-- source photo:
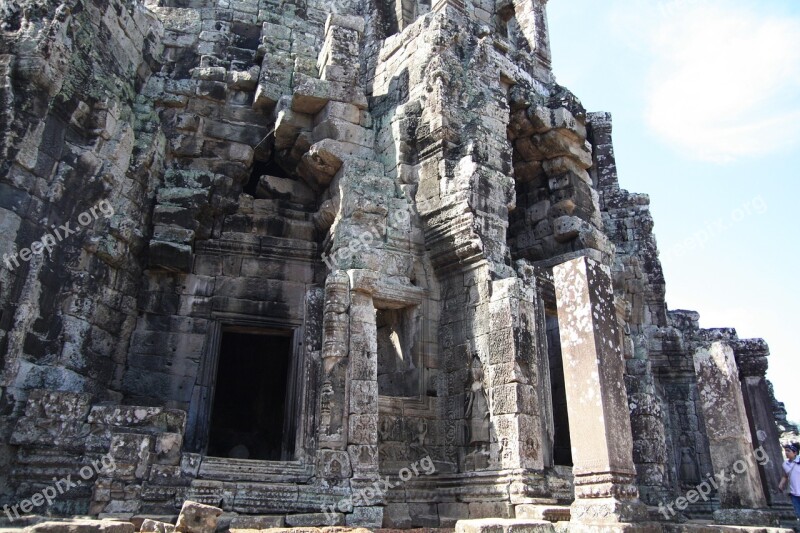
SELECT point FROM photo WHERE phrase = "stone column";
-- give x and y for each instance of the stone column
(751, 359)
(363, 400)
(363, 376)
(731, 448)
(513, 378)
(335, 348)
(599, 422)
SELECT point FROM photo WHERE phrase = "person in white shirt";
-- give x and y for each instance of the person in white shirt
(791, 474)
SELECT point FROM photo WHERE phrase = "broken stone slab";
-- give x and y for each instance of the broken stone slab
(154, 526)
(197, 518)
(83, 526)
(504, 525)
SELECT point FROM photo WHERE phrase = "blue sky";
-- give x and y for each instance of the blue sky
(705, 96)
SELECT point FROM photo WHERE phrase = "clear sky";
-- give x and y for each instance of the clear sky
(705, 96)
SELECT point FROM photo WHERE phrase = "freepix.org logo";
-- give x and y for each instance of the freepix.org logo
(367, 495)
(49, 494)
(49, 240)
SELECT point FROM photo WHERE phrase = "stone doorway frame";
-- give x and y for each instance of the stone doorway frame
(297, 407)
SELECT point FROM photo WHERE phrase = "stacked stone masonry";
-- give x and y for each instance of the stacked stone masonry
(419, 234)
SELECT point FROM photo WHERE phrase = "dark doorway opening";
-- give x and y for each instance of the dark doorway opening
(248, 418)
(562, 447)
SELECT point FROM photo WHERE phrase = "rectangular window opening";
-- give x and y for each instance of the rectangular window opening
(398, 352)
(248, 417)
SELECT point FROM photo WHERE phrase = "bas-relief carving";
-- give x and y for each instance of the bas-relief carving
(335, 347)
(476, 414)
(332, 402)
(476, 408)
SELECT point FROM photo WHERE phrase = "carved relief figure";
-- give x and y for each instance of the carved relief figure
(689, 473)
(325, 408)
(335, 344)
(476, 409)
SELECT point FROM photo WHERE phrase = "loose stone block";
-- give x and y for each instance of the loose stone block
(197, 518)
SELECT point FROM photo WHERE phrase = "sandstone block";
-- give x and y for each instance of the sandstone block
(197, 518)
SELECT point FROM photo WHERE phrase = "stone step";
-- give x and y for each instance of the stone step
(504, 525)
(224, 469)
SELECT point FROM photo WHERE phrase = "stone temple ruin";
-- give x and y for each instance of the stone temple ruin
(260, 254)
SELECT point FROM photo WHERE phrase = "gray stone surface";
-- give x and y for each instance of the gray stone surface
(394, 186)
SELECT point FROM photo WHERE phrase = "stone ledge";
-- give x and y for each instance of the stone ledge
(504, 525)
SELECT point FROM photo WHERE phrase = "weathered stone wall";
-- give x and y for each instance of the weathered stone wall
(394, 184)
(76, 136)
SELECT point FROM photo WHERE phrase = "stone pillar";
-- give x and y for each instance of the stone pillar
(363, 400)
(513, 378)
(335, 348)
(726, 419)
(363, 376)
(599, 422)
(751, 359)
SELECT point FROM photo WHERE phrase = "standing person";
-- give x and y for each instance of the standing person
(791, 473)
